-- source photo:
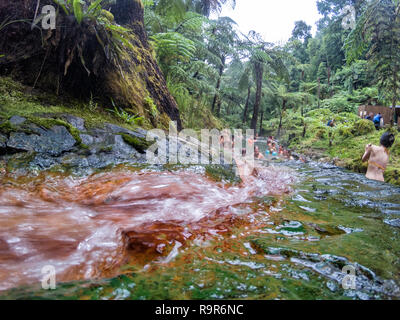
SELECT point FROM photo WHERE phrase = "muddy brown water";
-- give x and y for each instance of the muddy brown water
(88, 227)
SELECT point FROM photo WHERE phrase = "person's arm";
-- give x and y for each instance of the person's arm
(367, 154)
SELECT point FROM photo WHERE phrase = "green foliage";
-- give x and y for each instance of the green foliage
(377, 35)
(92, 105)
(173, 47)
(151, 106)
(126, 116)
(139, 144)
(94, 19)
(338, 103)
(363, 127)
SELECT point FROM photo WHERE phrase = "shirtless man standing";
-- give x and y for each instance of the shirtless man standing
(378, 157)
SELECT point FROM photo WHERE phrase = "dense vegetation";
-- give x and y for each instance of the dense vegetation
(242, 80)
(220, 77)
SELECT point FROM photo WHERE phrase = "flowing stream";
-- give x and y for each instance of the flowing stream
(137, 234)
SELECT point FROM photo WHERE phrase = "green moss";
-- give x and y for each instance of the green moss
(219, 173)
(49, 123)
(392, 175)
(151, 107)
(16, 99)
(20, 161)
(106, 149)
(6, 128)
(139, 144)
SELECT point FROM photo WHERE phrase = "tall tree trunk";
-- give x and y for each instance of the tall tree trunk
(329, 72)
(246, 108)
(259, 70)
(218, 86)
(304, 122)
(281, 117)
(219, 107)
(261, 122)
(395, 89)
(41, 57)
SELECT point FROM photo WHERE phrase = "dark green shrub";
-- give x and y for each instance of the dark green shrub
(363, 127)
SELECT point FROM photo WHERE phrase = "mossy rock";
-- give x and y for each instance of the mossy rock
(6, 127)
(49, 123)
(20, 161)
(357, 165)
(392, 175)
(363, 127)
(139, 144)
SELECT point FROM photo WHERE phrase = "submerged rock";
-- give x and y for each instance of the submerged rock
(393, 222)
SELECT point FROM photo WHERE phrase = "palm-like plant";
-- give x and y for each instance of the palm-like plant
(205, 7)
(263, 56)
(221, 38)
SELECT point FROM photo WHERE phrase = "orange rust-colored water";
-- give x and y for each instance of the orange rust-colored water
(89, 227)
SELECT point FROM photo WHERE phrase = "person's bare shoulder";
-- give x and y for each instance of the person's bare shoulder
(375, 149)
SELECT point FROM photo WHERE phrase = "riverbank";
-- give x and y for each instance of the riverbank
(41, 132)
(343, 145)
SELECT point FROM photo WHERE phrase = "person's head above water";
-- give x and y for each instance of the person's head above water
(387, 140)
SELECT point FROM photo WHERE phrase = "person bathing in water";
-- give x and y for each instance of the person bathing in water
(247, 170)
(378, 157)
(257, 154)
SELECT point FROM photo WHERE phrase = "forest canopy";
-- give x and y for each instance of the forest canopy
(182, 58)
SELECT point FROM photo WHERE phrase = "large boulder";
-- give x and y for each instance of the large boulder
(53, 141)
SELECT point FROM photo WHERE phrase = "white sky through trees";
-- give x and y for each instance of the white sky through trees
(273, 19)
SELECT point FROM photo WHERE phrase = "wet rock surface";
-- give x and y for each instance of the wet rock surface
(3, 141)
(54, 141)
(29, 146)
(17, 120)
